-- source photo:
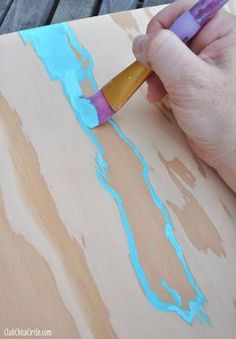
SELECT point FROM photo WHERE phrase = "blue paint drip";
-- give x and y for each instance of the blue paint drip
(51, 43)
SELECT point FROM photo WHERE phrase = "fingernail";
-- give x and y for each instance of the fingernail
(140, 43)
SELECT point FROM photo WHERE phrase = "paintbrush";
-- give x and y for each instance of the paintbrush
(115, 93)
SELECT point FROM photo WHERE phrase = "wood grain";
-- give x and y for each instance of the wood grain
(38, 289)
(63, 251)
(35, 193)
(201, 232)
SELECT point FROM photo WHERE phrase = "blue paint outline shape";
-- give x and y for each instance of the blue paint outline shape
(51, 44)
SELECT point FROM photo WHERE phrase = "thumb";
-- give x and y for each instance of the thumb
(168, 57)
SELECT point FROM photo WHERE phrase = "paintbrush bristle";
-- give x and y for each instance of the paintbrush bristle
(104, 110)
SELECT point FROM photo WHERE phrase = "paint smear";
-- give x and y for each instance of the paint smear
(52, 46)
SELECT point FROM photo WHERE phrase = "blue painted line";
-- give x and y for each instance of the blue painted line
(51, 43)
(175, 295)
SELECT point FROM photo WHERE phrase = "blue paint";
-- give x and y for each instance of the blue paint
(51, 43)
(89, 115)
(175, 295)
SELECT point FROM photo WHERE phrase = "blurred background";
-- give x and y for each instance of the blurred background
(16, 15)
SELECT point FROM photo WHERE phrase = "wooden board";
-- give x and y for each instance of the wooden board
(85, 256)
(109, 6)
(22, 14)
(26, 14)
(147, 3)
(4, 7)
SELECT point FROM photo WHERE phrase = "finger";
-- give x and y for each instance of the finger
(168, 57)
(220, 25)
(140, 44)
(156, 90)
(221, 52)
(167, 16)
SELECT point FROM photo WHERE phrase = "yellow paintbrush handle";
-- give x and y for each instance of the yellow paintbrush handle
(121, 88)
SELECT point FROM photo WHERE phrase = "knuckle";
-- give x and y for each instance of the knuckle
(154, 25)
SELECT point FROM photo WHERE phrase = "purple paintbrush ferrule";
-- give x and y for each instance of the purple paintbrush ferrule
(189, 23)
(185, 26)
(104, 110)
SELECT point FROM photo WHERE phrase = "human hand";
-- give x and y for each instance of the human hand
(198, 82)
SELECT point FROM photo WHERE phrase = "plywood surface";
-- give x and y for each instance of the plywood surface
(87, 248)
